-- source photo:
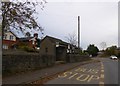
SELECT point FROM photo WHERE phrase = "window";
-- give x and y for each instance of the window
(11, 37)
(68, 46)
(68, 51)
(5, 47)
(5, 36)
(57, 44)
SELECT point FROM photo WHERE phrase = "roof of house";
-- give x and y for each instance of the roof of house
(118, 48)
(12, 33)
(54, 40)
(25, 38)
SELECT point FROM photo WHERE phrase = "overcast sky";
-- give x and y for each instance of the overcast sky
(99, 21)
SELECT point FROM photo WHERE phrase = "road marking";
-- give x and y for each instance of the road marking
(102, 64)
(102, 68)
(81, 69)
(84, 79)
(93, 71)
(76, 74)
(102, 76)
(87, 70)
(93, 77)
(102, 71)
(101, 83)
(72, 75)
(64, 74)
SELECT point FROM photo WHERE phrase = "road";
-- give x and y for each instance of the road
(111, 71)
(103, 72)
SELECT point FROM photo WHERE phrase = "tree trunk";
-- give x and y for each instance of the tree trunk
(3, 26)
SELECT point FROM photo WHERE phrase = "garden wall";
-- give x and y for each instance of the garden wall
(77, 58)
(13, 63)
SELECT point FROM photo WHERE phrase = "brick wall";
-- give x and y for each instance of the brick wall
(8, 43)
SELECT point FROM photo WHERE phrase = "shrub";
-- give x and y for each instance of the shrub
(26, 48)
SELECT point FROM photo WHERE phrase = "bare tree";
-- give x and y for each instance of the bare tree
(103, 45)
(72, 39)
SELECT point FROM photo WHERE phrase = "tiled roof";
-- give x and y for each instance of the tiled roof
(12, 33)
(25, 38)
(54, 40)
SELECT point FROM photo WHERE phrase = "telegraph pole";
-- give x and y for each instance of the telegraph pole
(78, 31)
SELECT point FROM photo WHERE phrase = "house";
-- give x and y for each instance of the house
(55, 47)
(24, 41)
(9, 40)
(32, 42)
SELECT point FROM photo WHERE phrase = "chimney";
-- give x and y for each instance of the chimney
(36, 35)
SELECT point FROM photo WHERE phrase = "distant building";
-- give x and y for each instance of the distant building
(32, 42)
(24, 41)
(11, 41)
(56, 47)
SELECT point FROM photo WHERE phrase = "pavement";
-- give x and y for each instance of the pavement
(37, 75)
(103, 72)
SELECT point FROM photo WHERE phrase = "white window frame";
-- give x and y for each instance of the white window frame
(5, 36)
(11, 37)
(57, 44)
(5, 46)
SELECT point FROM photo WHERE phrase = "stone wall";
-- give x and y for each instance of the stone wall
(47, 47)
(19, 61)
(15, 63)
(77, 58)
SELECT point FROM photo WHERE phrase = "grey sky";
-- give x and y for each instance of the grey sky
(99, 21)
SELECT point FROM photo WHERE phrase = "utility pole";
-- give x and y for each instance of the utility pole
(78, 31)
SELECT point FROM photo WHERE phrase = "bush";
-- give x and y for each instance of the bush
(92, 50)
(83, 53)
(111, 51)
(26, 48)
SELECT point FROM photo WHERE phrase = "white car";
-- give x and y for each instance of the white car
(113, 57)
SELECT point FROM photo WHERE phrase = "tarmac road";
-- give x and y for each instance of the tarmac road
(104, 72)
(110, 71)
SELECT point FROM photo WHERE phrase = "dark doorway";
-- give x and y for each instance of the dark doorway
(60, 53)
